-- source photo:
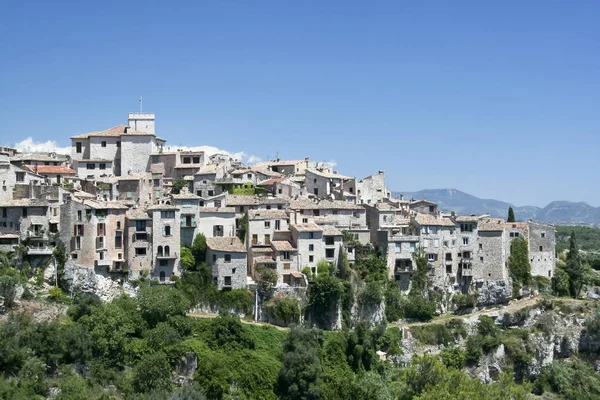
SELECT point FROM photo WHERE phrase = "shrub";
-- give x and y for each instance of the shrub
(434, 334)
(56, 294)
(474, 351)
(453, 358)
(371, 295)
(457, 327)
(417, 307)
(285, 309)
(463, 302)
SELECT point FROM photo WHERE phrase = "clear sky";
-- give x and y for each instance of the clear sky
(498, 99)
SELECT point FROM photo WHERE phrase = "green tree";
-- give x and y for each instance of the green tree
(73, 387)
(560, 281)
(187, 258)
(267, 278)
(518, 261)
(59, 255)
(575, 268)
(199, 248)
(420, 279)
(152, 373)
(511, 215)
(324, 294)
(178, 184)
(300, 375)
(158, 303)
(8, 290)
(243, 228)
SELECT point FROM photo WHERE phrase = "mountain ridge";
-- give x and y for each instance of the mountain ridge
(558, 211)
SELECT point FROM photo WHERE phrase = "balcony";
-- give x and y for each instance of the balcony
(141, 236)
(104, 263)
(101, 244)
(40, 251)
(35, 234)
(166, 256)
(466, 272)
(188, 225)
(403, 270)
(403, 238)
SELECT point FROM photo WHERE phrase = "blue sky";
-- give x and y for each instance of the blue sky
(499, 100)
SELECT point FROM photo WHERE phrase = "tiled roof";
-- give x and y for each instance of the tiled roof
(24, 203)
(246, 200)
(185, 195)
(271, 181)
(267, 214)
(226, 243)
(162, 207)
(329, 230)
(263, 260)
(136, 213)
(423, 201)
(328, 175)
(39, 157)
(208, 169)
(9, 236)
(50, 169)
(226, 210)
(282, 245)
(266, 172)
(114, 131)
(264, 164)
(134, 177)
(307, 227)
(467, 218)
(158, 168)
(324, 205)
(490, 225)
(430, 220)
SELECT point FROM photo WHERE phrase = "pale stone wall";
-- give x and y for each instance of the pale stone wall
(85, 149)
(110, 152)
(83, 172)
(489, 262)
(303, 241)
(133, 241)
(236, 269)
(135, 153)
(8, 180)
(166, 245)
(542, 261)
(371, 189)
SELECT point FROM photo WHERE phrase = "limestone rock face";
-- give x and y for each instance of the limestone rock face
(90, 281)
(493, 293)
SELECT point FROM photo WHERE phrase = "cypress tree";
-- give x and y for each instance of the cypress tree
(575, 268)
(511, 215)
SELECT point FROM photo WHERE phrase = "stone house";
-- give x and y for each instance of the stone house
(12, 175)
(93, 233)
(226, 257)
(286, 167)
(45, 159)
(372, 190)
(316, 243)
(282, 187)
(216, 222)
(423, 207)
(244, 203)
(541, 241)
(53, 175)
(332, 186)
(166, 241)
(138, 242)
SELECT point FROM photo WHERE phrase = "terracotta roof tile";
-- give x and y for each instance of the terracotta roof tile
(50, 169)
(282, 245)
(430, 220)
(226, 243)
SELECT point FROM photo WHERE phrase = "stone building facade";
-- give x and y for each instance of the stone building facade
(226, 257)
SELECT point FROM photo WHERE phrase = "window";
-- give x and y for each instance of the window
(78, 147)
(4, 213)
(196, 160)
(227, 281)
(167, 230)
(305, 220)
(254, 240)
(268, 207)
(118, 240)
(267, 239)
(214, 258)
(329, 240)
(140, 226)
(102, 256)
(311, 247)
(480, 246)
(156, 182)
(277, 225)
(445, 243)
(218, 203)
(432, 257)
(541, 248)
(101, 166)
(241, 209)
(119, 256)
(78, 243)
(163, 263)
(287, 266)
(91, 166)
(20, 176)
(267, 224)
(466, 227)
(249, 176)
(211, 193)
(543, 234)
(118, 224)
(140, 251)
(481, 259)
(316, 191)
(311, 235)
(412, 247)
(329, 253)
(465, 241)
(24, 212)
(101, 229)
(514, 234)
(449, 268)
(398, 247)
(311, 258)
(186, 160)
(167, 214)
(79, 215)
(227, 258)
(103, 143)
(201, 202)
(285, 255)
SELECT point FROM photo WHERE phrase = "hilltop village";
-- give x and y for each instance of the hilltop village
(125, 203)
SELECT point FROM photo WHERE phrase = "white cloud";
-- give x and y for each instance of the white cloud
(30, 145)
(252, 159)
(211, 150)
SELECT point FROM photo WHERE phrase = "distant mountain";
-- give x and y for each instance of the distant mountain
(558, 212)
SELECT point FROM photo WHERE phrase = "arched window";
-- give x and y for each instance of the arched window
(162, 276)
(160, 251)
(167, 251)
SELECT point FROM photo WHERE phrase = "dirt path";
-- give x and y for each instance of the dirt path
(242, 320)
(512, 306)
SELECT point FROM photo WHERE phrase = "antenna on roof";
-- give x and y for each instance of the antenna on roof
(140, 104)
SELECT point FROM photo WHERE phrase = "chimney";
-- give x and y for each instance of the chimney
(401, 197)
